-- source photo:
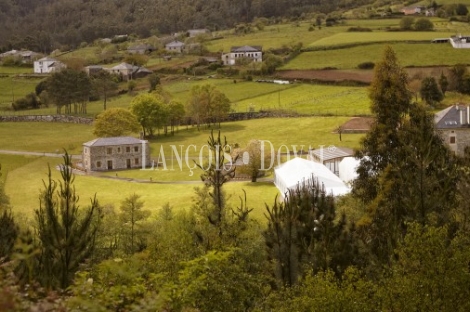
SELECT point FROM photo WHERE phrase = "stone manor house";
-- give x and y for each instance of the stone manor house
(115, 153)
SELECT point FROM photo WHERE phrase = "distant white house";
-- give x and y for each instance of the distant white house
(48, 65)
(175, 46)
(252, 52)
(330, 157)
(196, 32)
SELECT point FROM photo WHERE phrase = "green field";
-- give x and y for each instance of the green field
(313, 99)
(12, 88)
(8, 70)
(408, 54)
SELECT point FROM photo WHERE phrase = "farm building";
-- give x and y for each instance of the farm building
(330, 157)
(47, 65)
(128, 72)
(115, 153)
(175, 46)
(453, 125)
(460, 42)
(251, 52)
(297, 171)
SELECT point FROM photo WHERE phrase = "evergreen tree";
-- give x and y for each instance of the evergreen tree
(8, 228)
(443, 83)
(66, 235)
(131, 216)
(430, 92)
(303, 234)
(390, 103)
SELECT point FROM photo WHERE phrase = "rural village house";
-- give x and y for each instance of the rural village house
(24, 56)
(253, 52)
(330, 156)
(115, 153)
(175, 46)
(460, 42)
(141, 49)
(196, 32)
(453, 125)
(128, 72)
(48, 65)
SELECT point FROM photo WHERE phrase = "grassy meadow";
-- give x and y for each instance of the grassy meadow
(12, 88)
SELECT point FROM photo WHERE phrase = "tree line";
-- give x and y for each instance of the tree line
(399, 242)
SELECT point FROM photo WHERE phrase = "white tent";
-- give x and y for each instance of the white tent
(348, 169)
(298, 170)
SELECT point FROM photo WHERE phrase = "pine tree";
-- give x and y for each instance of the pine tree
(131, 216)
(66, 234)
(303, 234)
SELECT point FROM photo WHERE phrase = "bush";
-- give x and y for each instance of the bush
(29, 101)
(359, 29)
(366, 65)
(424, 24)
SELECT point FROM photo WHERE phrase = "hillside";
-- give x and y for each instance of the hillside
(45, 25)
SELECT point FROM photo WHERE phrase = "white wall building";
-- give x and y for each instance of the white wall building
(48, 65)
(252, 52)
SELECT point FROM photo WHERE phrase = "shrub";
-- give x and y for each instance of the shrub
(366, 65)
(359, 29)
(424, 24)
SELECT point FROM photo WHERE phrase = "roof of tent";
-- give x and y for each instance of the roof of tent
(298, 170)
(348, 168)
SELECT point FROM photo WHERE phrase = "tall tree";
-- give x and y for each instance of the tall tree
(131, 218)
(66, 235)
(151, 112)
(207, 104)
(104, 83)
(69, 87)
(390, 103)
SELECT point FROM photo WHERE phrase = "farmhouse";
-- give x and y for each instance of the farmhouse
(115, 153)
(412, 10)
(453, 125)
(47, 65)
(25, 56)
(196, 32)
(128, 72)
(252, 52)
(175, 46)
(330, 157)
(141, 49)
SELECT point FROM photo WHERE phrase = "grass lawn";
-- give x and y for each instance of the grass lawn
(408, 54)
(14, 70)
(24, 184)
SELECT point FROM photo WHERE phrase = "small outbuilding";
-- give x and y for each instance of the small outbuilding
(104, 154)
(297, 171)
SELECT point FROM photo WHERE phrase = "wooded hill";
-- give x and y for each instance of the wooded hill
(43, 25)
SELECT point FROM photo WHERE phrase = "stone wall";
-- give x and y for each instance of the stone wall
(48, 118)
(461, 137)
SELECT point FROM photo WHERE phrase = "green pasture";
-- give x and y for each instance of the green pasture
(13, 88)
(345, 38)
(24, 183)
(408, 54)
(313, 99)
(275, 36)
(15, 70)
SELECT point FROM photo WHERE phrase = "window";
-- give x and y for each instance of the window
(452, 140)
(119, 149)
(128, 149)
(98, 164)
(136, 161)
(136, 148)
(109, 150)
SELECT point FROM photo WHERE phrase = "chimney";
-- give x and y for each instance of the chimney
(468, 115)
(461, 117)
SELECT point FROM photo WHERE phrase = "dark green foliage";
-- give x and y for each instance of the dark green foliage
(423, 24)
(460, 79)
(430, 92)
(104, 84)
(41, 86)
(66, 235)
(8, 228)
(69, 87)
(28, 102)
(366, 65)
(443, 83)
(154, 80)
(406, 23)
(132, 216)
(303, 234)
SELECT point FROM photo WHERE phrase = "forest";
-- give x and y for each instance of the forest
(399, 242)
(46, 25)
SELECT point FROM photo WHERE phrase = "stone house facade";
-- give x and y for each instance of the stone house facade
(453, 125)
(104, 154)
